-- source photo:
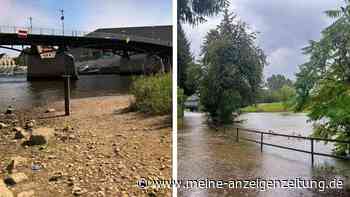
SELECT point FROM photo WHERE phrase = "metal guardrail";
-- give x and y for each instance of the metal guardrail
(42, 31)
(311, 139)
(75, 33)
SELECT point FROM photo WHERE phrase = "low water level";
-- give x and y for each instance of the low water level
(206, 153)
(17, 91)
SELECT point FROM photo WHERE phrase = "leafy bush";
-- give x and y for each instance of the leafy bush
(153, 94)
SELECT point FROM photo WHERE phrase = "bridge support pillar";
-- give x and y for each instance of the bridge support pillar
(50, 68)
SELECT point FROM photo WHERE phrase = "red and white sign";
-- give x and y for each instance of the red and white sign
(22, 33)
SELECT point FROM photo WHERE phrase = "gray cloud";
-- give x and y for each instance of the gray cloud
(285, 27)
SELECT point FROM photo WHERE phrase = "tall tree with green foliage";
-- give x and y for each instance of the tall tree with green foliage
(184, 59)
(323, 83)
(192, 12)
(276, 82)
(233, 66)
(196, 11)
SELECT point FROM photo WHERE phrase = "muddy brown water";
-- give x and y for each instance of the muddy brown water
(17, 91)
(204, 153)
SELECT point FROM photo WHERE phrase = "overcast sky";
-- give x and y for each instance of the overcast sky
(86, 15)
(285, 27)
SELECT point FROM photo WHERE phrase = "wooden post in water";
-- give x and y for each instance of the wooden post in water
(67, 94)
(261, 141)
(237, 136)
(312, 152)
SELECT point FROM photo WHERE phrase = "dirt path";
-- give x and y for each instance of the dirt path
(100, 150)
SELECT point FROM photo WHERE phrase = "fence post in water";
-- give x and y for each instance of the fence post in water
(67, 94)
(237, 136)
(312, 152)
(261, 141)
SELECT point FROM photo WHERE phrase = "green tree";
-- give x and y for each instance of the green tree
(196, 11)
(286, 95)
(232, 70)
(323, 83)
(184, 59)
(194, 76)
(276, 82)
(264, 95)
(192, 12)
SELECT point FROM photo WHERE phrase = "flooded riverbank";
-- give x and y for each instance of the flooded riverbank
(207, 153)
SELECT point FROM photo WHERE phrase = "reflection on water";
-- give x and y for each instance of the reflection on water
(206, 153)
(17, 91)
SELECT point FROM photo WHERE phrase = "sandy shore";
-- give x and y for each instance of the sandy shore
(100, 150)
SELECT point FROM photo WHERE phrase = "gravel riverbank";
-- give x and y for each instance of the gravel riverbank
(102, 149)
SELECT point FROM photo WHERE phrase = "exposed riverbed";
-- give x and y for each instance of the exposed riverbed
(101, 149)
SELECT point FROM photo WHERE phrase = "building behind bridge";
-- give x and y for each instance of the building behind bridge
(138, 62)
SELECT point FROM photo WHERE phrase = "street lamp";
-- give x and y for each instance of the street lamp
(62, 20)
(31, 24)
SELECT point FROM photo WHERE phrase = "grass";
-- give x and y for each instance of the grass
(266, 107)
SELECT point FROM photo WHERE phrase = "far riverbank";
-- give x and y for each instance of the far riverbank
(267, 107)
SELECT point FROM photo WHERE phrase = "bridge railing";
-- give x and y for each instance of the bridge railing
(312, 141)
(42, 31)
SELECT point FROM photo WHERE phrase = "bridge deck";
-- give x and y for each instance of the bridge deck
(75, 39)
(115, 43)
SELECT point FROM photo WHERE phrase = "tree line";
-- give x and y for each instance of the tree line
(323, 82)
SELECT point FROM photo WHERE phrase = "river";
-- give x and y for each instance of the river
(206, 153)
(17, 91)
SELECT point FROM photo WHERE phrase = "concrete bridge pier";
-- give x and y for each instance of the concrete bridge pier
(50, 68)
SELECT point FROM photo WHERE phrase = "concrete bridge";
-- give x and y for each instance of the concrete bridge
(69, 46)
